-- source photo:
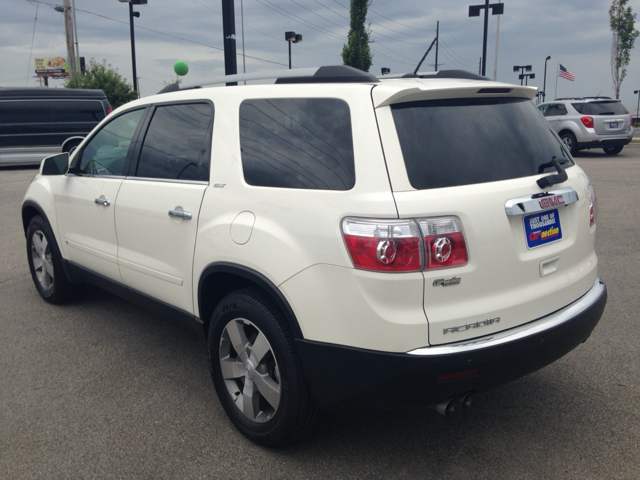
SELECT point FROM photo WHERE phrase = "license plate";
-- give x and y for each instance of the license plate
(542, 228)
(613, 125)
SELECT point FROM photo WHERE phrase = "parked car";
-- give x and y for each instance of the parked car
(339, 241)
(590, 122)
(38, 122)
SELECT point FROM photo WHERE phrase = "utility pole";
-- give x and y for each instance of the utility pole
(75, 36)
(437, 42)
(68, 27)
(436, 65)
(495, 63)
(229, 34)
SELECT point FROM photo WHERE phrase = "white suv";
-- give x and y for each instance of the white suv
(340, 241)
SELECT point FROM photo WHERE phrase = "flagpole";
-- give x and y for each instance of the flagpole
(557, 72)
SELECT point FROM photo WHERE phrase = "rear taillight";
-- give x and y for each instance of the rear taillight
(405, 245)
(444, 242)
(587, 121)
(593, 206)
(383, 245)
(108, 111)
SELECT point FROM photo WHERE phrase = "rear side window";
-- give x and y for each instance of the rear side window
(580, 107)
(606, 108)
(52, 111)
(447, 143)
(177, 145)
(297, 143)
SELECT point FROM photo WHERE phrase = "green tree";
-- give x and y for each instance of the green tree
(105, 77)
(356, 53)
(622, 23)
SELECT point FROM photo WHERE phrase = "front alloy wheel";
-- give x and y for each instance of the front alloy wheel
(42, 261)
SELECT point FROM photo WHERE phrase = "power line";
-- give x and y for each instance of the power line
(138, 26)
(295, 17)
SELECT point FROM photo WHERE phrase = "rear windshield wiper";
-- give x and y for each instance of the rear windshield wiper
(549, 180)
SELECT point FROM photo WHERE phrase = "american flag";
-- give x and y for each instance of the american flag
(566, 74)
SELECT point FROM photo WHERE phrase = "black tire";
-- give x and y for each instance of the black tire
(613, 150)
(570, 142)
(251, 341)
(71, 146)
(45, 263)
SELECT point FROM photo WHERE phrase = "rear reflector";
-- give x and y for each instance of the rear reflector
(458, 376)
(593, 206)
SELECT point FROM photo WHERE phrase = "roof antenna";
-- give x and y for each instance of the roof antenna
(425, 56)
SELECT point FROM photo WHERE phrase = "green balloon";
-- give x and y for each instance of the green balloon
(181, 68)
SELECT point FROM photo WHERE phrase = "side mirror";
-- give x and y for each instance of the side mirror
(55, 165)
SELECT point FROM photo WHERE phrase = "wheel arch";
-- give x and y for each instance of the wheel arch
(71, 140)
(220, 279)
(31, 209)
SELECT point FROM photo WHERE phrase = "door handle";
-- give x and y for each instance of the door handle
(183, 215)
(103, 202)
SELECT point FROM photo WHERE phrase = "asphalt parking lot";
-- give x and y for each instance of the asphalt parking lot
(102, 389)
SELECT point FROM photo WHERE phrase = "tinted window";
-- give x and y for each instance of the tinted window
(555, 110)
(446, 143)
(52, 111)
(106, 152)
(606, 108)
(580, 107)
(177, 143)
(297, 143)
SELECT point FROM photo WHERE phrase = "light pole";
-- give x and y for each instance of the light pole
(474, 11)
(638, 106)
(544, 88)
(133, 38)
(292, 37)
(522, 69)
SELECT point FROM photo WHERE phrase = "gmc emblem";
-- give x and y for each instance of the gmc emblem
(555, 201)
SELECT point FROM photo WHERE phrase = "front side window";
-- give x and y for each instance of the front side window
(297, 143)
(106, 152)
(177, 145)
(447, 143)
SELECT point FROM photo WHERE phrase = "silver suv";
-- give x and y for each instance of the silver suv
(590, 122)
(331, 236)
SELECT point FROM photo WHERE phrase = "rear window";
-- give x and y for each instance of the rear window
(447, 143)
(297, 143)
(605, 108)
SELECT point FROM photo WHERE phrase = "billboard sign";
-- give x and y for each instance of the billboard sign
(51, 67)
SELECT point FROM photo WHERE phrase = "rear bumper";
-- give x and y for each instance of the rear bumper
(606, 142)
(343, 377)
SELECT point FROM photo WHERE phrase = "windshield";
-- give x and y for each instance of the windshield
(446, 143)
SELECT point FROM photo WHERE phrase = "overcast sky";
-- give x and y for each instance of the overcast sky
(574, 32)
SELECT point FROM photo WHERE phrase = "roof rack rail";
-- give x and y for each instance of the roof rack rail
(597, 97)
(570, 98)
(327, 74)
(439, 74)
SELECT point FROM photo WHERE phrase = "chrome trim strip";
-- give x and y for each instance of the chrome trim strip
(531, 203)
(167, 180)
(518, 333)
